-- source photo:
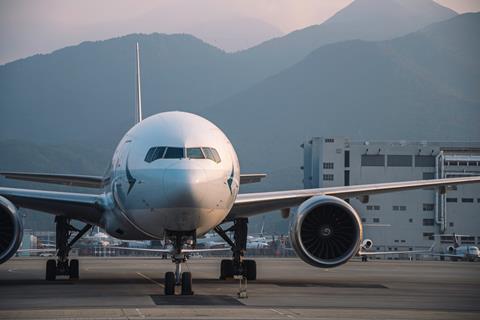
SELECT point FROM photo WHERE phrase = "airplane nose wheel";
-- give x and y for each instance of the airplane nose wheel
(178, 278)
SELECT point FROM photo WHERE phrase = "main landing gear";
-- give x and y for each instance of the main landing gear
(237, 266)
(62, 266)
(179, 278)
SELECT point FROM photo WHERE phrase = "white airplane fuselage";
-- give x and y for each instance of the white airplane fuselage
(178, 192)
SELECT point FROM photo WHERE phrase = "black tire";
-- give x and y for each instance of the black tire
(250, 269)
(226, 269)
(169, 283)
(74, 269)
(187, 284)
(51, 270)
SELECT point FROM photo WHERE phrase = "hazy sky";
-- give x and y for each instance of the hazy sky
(30, 27)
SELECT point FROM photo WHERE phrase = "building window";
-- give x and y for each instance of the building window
(346, 178)
(428, 206)
(428, 222)
(452, 200)
(376, 220)
(478, 200)
(428, 175)
(329, 140)
(424, 161)
(410, 220)
(347, 159)
(428, 236)
(403, 241)
(328, 177)
(467, 240)
(467, 200)
(451, 224)
(396, 241)
(395, 208)
(399, 160)
(403, 208)
(373, 207)
(376, 160)
(328, 165)
(364, 220)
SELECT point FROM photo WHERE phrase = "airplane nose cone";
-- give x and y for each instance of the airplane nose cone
(185, 185)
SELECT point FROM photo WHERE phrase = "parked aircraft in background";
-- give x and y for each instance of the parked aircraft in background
(459, 251)
(176, 176)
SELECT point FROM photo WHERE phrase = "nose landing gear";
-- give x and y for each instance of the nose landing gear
(178, 278)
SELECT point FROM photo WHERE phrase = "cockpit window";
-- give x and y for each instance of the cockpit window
(174, 153)
(195, 153)
(216, 156)
(212, 154)
(154, 154)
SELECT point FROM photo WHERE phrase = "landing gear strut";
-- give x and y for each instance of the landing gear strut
(179, 278)
(63, 266)
(238, 266)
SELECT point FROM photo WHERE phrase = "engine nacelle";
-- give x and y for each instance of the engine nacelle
(367, 244)
(11, 230)
(327, 232)
(451, 249)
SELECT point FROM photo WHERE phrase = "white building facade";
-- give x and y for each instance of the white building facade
(403, 220)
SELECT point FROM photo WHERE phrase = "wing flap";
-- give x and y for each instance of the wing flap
(62, 179)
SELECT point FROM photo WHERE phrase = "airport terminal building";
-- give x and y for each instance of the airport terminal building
(403, 220)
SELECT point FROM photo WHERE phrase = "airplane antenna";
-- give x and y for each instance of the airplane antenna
(138, 102)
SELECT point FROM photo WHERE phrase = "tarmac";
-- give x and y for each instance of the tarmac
(287, 288)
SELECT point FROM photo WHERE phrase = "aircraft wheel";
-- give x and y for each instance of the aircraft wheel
(226, 269)
(250, 267)
(74, 269)
(169, 283)
(187, 284)
(51, 270)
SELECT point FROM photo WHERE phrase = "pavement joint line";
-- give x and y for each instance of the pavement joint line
(283, 314)
(150, 279)
(140, 314)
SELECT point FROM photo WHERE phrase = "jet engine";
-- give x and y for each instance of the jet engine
(327, 232)
(451, 249)
(11, 230)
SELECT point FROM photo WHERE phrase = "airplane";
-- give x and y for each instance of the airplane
(176, 176)
(368, 244)
(459, 252)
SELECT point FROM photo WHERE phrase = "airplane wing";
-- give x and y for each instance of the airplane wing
(385, 253)
(251, 178)
(62, 179)
(250, 204)
(446, 255)
(80, 206)
(170, 251)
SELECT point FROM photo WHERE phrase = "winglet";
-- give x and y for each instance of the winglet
(138, 102)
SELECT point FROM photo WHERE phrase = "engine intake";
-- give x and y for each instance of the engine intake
(327, 232)
(11, 230)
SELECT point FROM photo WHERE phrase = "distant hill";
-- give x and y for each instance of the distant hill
(362, 19)
(86, 92)
(421, 86)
